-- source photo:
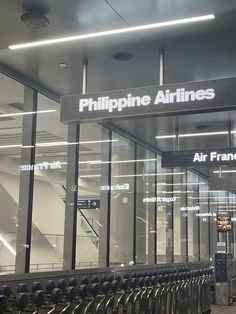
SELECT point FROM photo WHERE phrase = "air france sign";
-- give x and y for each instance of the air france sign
(152, 101)
(199, 158)
(214, 157)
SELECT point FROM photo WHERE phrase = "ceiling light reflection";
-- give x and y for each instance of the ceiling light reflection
(148, 174)
(5, 115)
(192, 134)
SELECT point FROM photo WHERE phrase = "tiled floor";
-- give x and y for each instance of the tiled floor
(224, 309)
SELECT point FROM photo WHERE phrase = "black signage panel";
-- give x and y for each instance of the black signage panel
(182, 98)
(200, 158)
(88, 204)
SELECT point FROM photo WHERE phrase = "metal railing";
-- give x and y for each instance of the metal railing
(48, 266)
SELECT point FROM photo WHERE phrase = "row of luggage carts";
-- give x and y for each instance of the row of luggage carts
(168, 291)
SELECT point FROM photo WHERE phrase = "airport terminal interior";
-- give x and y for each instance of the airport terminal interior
(118, 156)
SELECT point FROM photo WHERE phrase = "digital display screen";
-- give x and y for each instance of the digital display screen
(223, 222)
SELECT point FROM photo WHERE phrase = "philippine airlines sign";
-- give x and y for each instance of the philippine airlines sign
(150, 101)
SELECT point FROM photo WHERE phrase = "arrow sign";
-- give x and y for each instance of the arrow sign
(88, 204)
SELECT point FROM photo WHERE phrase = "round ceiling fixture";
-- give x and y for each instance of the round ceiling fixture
(63, 65)
(35, 19)
(122, 56)
(201, 127)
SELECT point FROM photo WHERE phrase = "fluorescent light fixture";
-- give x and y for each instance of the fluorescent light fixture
(192, 134)
(195, 183)
(121, 161)
(89, 176)
(90, 162)
(11, 146)
(147, 174)
(55, 144)
(213, 191)
(5, 115)
(165, 136)
(204, 134)
(95, 162)
(95, 142)
(113, 32)
(209, 197)
(64, 143)
(172, 192)
(224, 171)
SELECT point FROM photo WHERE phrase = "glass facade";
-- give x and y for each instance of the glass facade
(49, 188)
(122, 201)
(12, 94)
(125, 210)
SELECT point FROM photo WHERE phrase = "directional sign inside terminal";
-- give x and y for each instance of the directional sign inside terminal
(88, 204)
(172, 99)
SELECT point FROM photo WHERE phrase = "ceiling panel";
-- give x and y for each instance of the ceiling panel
(147, 129)
(199, 51)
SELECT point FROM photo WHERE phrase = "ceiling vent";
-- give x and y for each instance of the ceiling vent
(35, 19)
(122, 56)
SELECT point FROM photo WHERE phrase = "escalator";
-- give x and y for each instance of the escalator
(88, 223)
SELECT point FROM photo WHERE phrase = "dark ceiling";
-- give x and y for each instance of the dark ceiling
(195, 52)
(199, 51)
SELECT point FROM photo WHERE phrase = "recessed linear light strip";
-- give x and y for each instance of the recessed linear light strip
(72, 143)
(209, 197)
(148, 174)
(179, 192)
(5, 115)
(98, 162)
(55, 144)
(224, 171)
(194, 134)
(180, 184)
(113, 32)
(119, 161)
(90, 176)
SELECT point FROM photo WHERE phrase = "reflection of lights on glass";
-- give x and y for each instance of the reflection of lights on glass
(148, 174)
(192, 134)
(172, 192)
(90, 176)
(170, 184)
(4, 115)
(224, 171)
(152, 231)
(4, 242)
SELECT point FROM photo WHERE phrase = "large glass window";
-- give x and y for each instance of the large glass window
(122, 202)
(11, 121)
(193, 220)
(145, 206)
(164, 214)
(92, 195)
(203, 214)
(49, 188)
(180, 215)
(213, 207)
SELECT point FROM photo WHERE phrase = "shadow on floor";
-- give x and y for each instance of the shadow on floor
(216, 309)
